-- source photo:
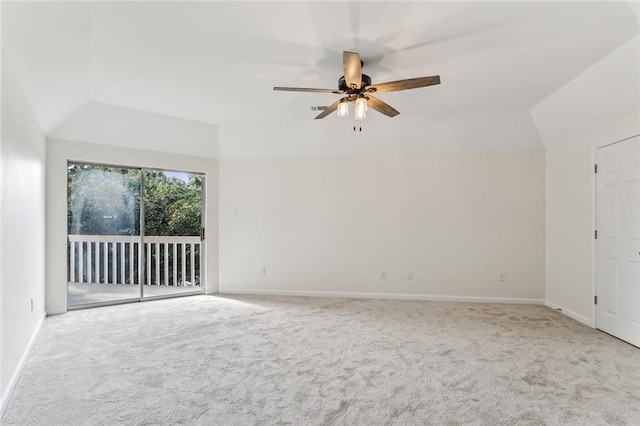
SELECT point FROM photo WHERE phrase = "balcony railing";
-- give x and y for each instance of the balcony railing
(117, 259)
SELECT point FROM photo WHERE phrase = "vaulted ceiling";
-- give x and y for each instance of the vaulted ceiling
(216, 62)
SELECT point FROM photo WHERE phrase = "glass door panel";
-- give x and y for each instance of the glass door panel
(172, 225)
(103, 227)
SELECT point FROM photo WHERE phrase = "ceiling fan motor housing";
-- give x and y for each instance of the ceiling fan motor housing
(342, 84)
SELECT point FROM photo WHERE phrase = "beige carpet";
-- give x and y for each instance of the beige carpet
(307, 361)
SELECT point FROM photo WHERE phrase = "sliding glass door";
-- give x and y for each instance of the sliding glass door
(103, 225)
(172, 232)
(109, 259)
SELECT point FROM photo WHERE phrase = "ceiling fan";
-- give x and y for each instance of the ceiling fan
(359, 91)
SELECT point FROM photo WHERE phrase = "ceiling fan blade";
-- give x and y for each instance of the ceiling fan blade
(410, 83)
(329, 110)
(306, 89)
(352, 69)
(381, 106)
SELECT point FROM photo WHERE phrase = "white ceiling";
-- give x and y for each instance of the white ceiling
(216, 62)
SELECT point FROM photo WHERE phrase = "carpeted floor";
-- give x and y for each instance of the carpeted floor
(257, 360)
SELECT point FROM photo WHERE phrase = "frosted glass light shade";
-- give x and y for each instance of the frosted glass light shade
(360, 111)
(343, 109)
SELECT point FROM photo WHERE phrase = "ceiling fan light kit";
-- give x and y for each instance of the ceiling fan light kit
(359, 90)
(360, 110)
(343, 108)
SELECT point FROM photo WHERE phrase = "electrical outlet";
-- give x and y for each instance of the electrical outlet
(235, 211)
(32, 304)
(501, 276)
(263, 271)
(409, 275)
(383, 275)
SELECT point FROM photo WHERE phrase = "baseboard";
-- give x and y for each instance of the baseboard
(570, 314)
(16, 373)
(388, 296)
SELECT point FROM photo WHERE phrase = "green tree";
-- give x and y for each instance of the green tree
(106, 201)
(171, 205)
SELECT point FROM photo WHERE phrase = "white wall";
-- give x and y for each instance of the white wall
(333, 224)
(49, 44)
(59, 151)
(413, 133)
(112, 125)
(22, 228)
(570, 216)
(606, 91)
(598, 107)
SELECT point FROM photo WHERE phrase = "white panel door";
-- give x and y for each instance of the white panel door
(618, 243)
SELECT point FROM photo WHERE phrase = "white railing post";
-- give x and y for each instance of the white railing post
(81, 262)
(72, 261)
(148, 263)
(96, 269)
(174, 250)
(114, 254)
(131, 258)
(166, 263)
(122, 270)
(89, 261)
(139, 263)
(105, 262)
(157, 264)
(193, 264)
(183, 261)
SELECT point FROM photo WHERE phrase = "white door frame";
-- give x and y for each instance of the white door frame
(594, 222)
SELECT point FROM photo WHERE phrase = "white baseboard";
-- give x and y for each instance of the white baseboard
(57, 311)
(570, 314)
(16, 373)
(389, 296)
